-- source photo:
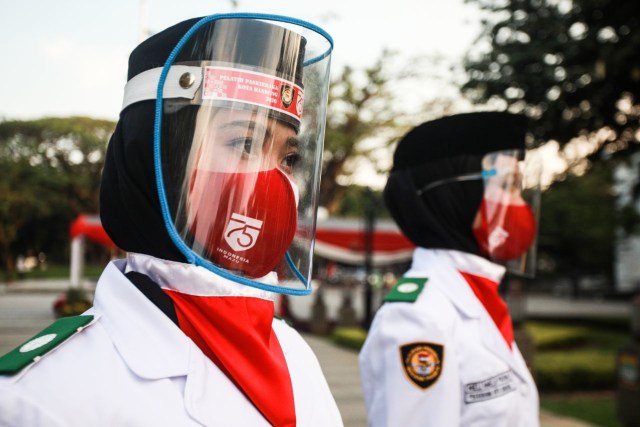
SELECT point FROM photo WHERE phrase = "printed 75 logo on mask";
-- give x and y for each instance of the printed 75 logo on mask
(242, 232)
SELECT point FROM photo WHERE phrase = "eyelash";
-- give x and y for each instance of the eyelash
(292, 160)
(242, 144)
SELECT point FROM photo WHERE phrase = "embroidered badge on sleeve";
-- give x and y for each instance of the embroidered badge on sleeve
(422, 362)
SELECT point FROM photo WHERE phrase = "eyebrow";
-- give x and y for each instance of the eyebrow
(249, 124)
(293, 142)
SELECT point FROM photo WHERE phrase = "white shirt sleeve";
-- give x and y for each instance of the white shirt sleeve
(391, 397)
(17, 410)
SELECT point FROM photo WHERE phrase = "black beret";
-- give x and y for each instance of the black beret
(461, 134)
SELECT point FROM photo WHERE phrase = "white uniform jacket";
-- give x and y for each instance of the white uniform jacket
(469, 376)
(132, 366)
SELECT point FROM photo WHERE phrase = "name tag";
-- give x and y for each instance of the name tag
(490, 388)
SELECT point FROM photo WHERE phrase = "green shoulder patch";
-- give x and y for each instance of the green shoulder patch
(406, 290)
(40, 344)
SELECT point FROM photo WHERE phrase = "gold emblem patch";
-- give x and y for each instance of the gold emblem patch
(286, 95)
(422, 362)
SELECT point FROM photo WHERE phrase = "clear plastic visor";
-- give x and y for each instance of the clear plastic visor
(506, 226)
(241, 158)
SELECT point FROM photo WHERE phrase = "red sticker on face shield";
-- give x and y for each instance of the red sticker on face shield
(263, 90)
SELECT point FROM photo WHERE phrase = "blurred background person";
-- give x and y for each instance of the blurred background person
(440, 350)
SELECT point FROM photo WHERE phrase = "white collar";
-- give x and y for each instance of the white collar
(462, 261)
(153, 347)
(149, 342)
(443, 266)
(194, 280)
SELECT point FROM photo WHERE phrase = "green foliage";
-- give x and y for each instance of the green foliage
(586, 369)
(573, 66)
(547, 337)
(50, 173)
(74, 302)
(62, 271)
(360, 106)
(578, 224)
(598, 409)
(575, 357)
(355, 199)
(352, 338)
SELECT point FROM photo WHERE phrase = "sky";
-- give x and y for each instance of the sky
(69, 57)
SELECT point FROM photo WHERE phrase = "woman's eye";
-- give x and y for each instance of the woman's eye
(291, 160)
(242, 144)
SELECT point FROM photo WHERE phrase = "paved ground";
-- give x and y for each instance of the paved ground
(25, 309)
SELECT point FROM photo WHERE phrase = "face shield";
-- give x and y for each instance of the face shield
(506, 226)
(238, 140)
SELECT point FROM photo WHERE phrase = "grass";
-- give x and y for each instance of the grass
(583, 369)
(570, 357)
(352, 338)
(549, 336)
(596, 408)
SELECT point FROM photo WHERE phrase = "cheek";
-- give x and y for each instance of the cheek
(517, 200)
(477, 221)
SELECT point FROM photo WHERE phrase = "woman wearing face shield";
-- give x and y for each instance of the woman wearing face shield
(440, 350)
(209, 185)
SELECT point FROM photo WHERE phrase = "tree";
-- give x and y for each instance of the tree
(356, 111)
(578, 225)
(367, 112)
(355, 198)
(50, 173)
(572, 65)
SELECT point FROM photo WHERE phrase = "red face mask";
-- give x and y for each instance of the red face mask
(508, 234)
(248, 222)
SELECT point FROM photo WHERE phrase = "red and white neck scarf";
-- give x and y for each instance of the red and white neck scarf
(232, 325)
(236, 334)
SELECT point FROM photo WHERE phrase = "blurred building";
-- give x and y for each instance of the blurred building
(627, 251)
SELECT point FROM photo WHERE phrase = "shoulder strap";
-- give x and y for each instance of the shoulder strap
(406, 290)
(42, 343)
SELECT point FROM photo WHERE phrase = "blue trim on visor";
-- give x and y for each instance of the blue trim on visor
(489, 173)
(191, 256)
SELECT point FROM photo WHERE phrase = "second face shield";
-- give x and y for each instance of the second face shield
(506, 226)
